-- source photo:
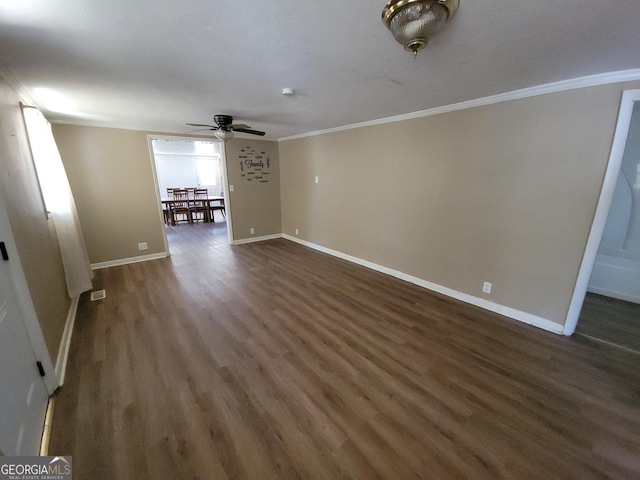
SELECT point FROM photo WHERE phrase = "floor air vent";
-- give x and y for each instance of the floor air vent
(98, 295)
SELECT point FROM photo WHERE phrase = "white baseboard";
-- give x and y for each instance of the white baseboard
(127, 261)
(616, 277)
(63, 352)
(614, 294)
(243, 241)
(518, 315)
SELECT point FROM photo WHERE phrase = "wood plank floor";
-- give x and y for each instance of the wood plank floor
(610, 320)
(273, 361)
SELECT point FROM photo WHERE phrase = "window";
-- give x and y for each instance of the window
(207, 171)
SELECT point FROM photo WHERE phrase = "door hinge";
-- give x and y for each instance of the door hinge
(3, 250)
(40, 368)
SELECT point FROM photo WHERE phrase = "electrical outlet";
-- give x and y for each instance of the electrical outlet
(296, 231)
(98, 295)
(486, 287)
(231, 188)
(252, 230)
(143, 246)
(317, 179)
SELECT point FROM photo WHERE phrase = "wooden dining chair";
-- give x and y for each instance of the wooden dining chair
(200, 205)
(217, 206)
(181, 207)
(168, 206)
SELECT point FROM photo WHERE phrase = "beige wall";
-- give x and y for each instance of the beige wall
(111, 177)
(255, 202)
(34, 234)
(503, 193)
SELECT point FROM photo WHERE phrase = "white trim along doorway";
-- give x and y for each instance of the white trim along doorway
(225, 180)
(629, 97)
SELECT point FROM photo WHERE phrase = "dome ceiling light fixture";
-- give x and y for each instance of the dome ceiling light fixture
(414, 22)
(223, 134)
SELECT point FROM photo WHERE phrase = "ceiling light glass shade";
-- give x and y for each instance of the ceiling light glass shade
(224, 134)
(414, 22)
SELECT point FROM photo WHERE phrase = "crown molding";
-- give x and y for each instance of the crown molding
(562, 86)
(17, 87)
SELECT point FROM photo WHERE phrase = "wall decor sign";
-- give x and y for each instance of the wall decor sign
(254, 165)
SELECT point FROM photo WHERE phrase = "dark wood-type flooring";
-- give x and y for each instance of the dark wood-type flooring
(610, 320)
(274, 361)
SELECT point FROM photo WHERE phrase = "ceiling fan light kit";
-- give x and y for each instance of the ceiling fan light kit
(223, 134)
(414, 22)
(224, 127)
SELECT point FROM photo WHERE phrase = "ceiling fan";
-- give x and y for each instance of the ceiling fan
(224, 127)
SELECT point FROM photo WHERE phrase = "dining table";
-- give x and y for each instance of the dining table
(168, 202)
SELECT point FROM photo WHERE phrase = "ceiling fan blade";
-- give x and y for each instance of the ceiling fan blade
(248, 130)
(200, 125)
(236, 126)
(200, 130)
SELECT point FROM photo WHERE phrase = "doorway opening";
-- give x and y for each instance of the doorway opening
(191, 165)
(608, 287)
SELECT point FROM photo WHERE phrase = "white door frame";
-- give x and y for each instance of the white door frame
(225, 180)
(629, 97)
(227, 195)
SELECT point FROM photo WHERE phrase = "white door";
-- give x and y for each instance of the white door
(23, 395)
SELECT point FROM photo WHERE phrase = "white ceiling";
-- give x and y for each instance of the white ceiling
(155, 65)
